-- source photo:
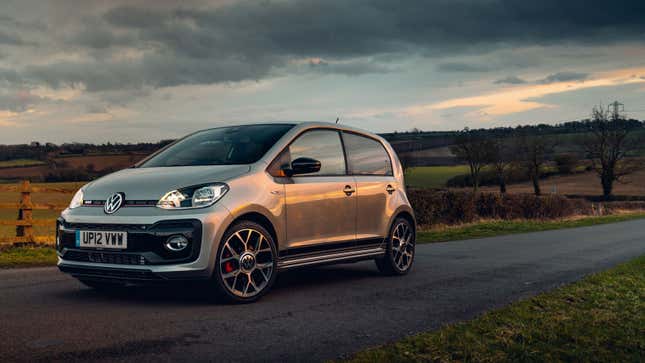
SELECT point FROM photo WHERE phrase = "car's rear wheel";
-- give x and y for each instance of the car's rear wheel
(246, 264)
(400, 247)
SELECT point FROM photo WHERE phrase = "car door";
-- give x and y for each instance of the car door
(320, 206)
(371, 166)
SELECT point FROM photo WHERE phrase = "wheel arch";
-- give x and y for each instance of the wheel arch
(407, 213)
(260, 219)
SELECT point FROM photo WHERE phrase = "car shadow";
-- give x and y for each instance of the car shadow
(194, 293)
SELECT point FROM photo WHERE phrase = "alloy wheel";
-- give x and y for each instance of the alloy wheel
(402, 246)
(246, 263)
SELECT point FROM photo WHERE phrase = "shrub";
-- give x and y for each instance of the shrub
(450, 207)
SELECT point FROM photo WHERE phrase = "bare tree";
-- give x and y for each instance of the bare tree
(608, 145)
(532, 153)
(500, 157)
(472, 148)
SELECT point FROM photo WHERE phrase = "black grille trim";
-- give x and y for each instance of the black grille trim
(110, 273)
(105, 257)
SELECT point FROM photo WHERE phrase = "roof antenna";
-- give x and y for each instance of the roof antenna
(337, 119)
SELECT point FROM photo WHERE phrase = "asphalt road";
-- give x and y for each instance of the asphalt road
(311, 315)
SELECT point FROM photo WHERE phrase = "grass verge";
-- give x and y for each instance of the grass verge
(27, 257)
(598, 319)
(499, 228)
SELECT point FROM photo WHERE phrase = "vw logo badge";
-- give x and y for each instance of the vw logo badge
(113, 203)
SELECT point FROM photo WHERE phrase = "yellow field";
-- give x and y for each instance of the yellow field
(55, 198)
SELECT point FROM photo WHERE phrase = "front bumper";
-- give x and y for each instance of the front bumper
(145, 259)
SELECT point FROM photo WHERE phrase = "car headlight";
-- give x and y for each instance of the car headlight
(77, 201)
(193, 197)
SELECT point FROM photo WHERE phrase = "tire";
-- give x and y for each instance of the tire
(246, 263)
(396, 261)
(102, 285)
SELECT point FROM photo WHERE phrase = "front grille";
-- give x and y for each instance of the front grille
(105, 257)
(145, 242)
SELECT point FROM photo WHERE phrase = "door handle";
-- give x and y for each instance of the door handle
(349, 190)
(390, 189)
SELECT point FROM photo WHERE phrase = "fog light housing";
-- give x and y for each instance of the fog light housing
(176, 243)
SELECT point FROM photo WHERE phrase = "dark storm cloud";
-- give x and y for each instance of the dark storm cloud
(246, 40)
(352, 68)
(564, 77)
(462, 67)
(510, 80)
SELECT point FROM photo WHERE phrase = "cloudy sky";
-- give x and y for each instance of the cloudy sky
(146, 70)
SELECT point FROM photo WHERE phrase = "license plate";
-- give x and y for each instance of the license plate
(102, 239)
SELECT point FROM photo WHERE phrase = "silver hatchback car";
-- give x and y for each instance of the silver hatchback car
(233, 206)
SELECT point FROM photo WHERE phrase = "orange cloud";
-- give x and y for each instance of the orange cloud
(515, 99)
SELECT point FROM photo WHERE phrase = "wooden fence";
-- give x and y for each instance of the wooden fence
(25, 222)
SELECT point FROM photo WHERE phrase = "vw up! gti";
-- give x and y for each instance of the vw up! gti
(233, 206)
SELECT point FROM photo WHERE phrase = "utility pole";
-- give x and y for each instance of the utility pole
(617, 109)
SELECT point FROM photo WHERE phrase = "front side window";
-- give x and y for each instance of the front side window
(244, 144)
(322, 145)
(366, 156)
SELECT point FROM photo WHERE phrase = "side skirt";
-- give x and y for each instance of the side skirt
(332, 254)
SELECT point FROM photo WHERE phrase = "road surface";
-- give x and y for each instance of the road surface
(311, 315)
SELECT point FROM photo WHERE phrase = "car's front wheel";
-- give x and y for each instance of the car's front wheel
(400, 247)
(246, 264)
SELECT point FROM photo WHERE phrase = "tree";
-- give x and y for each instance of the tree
(532, 152)
(500, 157)
(608, 145)
(472, 148)
(566, 163)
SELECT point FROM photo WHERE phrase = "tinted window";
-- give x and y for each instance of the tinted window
(322, 145)
(220, 146)
(366, 156)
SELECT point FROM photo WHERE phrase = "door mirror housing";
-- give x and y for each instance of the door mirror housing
(302, 166)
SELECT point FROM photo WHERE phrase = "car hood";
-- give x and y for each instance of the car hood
(154, 183)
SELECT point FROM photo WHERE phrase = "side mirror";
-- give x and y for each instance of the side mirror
(303, 166)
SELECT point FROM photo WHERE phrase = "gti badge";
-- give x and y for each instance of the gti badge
(113, 203)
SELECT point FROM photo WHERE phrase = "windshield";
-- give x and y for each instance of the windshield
(220, 146)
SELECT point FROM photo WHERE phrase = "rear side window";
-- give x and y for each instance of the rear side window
(322, 145)
(366, 156)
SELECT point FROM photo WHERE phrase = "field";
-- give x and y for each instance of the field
(20, 163)
(598, 319)
(581, 184)
(432, 176)
(56, 198)
(39, 171)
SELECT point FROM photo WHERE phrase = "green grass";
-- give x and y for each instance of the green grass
(499, 228)
(27, 257)
(20, 162)
(598, 319)
(433, 176)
